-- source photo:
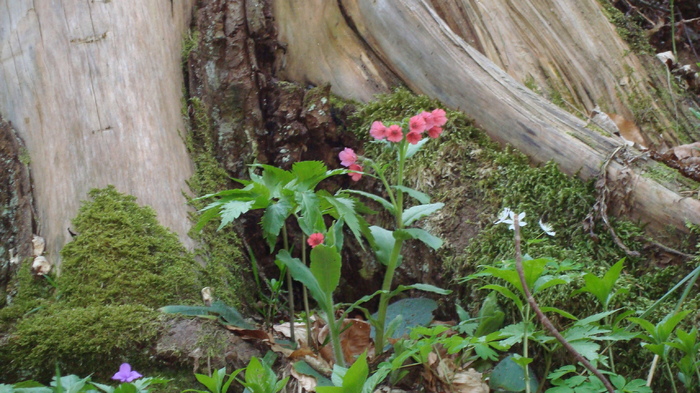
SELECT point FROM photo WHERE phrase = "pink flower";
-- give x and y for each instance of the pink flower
(394, 133)
(355, 176)
(435, 132)
(347, 157)
(413, 137)
(315, 239)
(428, 117)
(416, 124)
(378, 130)
(439, 118)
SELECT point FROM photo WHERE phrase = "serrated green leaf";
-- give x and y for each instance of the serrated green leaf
(558, 311)
(273, 220)
(345, 210)
(417, 212)
(310, 213)
(505, 292)
(232, 210)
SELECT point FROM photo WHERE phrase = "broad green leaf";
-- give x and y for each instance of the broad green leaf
(414, 312)
(419, 196)
(602, 288)
(490, 316)
(194, 311)
(326, 266)
(273, 220)
(232, 210)
(353, 380)
(417, 212)
(386, 204)
(213, 383)
(431, 241)
(383, 243)
(374, 380)
(302, 273)
(509, 376)
(545, 282)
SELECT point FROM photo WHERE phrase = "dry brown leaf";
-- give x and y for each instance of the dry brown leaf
(683, 152)
(469, 381)
(305, 381)
(299, 332)
(354, 340)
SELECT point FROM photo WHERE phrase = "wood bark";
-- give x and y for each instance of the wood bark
(418, 46)
(94, 87)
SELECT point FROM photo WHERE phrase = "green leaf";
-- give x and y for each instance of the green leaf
(345, 210)
(386, 204)
(602, 288)
(303, 368)
(421, 197)
(383, 243)
(509, 376)
(414, 312)
(490, 315)
(417, 212)
(230, 315)
(232, 210)
(326, 266)
(310, 212)
(194, 311)
(413, 149)
(309, 173)
(302, 273)
(431, 241)
(273, 220)
(505, 292)
(558, 311)
(420, 287)
(587, 349)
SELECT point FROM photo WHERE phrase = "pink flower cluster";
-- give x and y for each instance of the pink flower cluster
(431, 122)
(348, 159)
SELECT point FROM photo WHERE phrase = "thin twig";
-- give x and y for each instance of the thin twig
(543, 318)
(670, 250)
(604, 207)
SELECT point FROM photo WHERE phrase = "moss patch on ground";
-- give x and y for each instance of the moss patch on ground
(101, 312)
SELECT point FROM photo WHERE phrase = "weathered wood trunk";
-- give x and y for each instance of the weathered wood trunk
(93, 88)
(411, 39)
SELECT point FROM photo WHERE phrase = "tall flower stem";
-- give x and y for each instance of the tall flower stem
(290, 293)
(543, 318)
(395, 252)
(306, 295)
(335, 334)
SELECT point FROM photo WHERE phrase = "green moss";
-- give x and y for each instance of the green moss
(189, 43)
(80, 340)
(123, 256)
(220, 251)
(629, 28)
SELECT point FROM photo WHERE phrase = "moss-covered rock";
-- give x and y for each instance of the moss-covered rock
(80, 340)
(101, 310)
(123, 256)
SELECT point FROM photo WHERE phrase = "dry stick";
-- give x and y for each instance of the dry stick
(604, 207)
(543, 318)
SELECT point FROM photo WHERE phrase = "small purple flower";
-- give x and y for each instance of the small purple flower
(126, 374)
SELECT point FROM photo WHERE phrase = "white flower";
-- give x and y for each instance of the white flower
(507, 216)
(547, 228)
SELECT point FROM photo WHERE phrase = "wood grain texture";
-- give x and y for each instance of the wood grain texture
(94, 87)
(323, 48)
(435, 61)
